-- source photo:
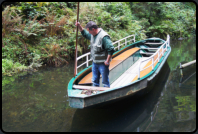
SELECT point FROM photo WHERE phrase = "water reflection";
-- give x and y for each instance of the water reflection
(126, 115)
(37, 102)
(177, 111)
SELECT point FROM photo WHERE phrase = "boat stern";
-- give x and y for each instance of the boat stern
(76, 102)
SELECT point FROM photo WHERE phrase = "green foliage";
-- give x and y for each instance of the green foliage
(9, 67)
(119, 12)
(12, 51)
(113, 17)
(54, 57)
(174, 18)
(29, 27)
(36, 61)
(9, 21)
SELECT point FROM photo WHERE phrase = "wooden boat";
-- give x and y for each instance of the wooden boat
(132, 66)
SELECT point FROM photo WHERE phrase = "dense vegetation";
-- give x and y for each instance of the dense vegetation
(38, 33)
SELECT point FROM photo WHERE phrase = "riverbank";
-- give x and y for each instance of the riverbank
(39, 33)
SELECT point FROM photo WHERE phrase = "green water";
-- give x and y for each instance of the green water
(38, 102)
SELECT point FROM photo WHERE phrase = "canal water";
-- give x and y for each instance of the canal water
(38, 102)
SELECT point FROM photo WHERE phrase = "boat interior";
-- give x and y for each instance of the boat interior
(125, 64)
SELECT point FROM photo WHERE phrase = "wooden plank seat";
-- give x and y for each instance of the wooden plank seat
(90, 88)
(150, 48)
(114, 62)
(146, 53)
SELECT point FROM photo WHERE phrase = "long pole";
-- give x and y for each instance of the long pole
(187, 64)
(75, 64)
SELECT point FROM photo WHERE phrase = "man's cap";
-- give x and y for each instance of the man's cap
(89, 24)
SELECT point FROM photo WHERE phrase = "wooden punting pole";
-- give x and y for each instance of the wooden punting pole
(75, 58)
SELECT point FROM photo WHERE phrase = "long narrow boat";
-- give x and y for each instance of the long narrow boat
(132, 66)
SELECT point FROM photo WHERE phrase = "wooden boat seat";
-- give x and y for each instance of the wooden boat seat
(114, 62)
(90, 88)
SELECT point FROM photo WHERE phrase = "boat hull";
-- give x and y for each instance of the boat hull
(108, 96)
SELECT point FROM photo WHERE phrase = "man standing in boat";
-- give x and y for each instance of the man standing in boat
(102, 50)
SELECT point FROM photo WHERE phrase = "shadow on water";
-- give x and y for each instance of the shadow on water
(123, 115)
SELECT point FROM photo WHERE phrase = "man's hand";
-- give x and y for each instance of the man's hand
(108, 60)
(78, 25)
(106, 63)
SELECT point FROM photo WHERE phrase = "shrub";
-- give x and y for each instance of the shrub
(54, 57)
(9, 67)
(174, 18)
(10, 19)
